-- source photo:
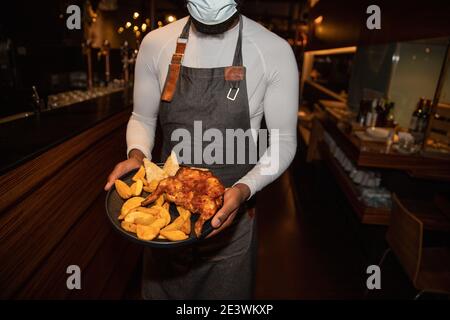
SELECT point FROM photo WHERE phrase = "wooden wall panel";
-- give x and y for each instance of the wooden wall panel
(57, 218)
(79, 247)
(36, 171)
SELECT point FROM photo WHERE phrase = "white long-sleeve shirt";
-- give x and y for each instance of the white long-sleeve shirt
(272, 85)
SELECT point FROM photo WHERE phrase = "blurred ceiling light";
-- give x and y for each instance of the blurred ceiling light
(138, 34)
(171, 18)
(135, 28)
(135, 15)
(318, 20)
(128, 24)
(332, 51)
(143, 27)
(312, 3)
(160, 24)
(147, 21)
(120, 30)
(427, 50)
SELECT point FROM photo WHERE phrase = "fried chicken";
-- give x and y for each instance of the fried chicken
(198, 191)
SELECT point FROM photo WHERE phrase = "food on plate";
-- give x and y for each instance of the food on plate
(195, 190)
(160, 201)
(192, 190)
(147, 232)
(153, 172)
(136, 188)
(153, 211)
(186, 215)
(175, 225)
(160, 223)
(129, 205)
(183, 212)
(174, 235)
(171, 165)
(186, 227)
(123, 189)
(163, 213)
(139, 217)
(151, 186)
(140, 174)
(128, 226)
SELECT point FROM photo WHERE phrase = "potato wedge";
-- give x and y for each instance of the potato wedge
(175, 235)
(166, 206)
(151, 210)
(145, 220)
(153, 172)
(159, 223)
(164, 214)
(133, 187)
(139, 174)
(144, 181)
(128, 226)
(171, 165)
(186, 214)
(147, 232)
(151, 186)
(139, 217)
(122, 189)
(136, 188)
(160, 201)
(129, 205)
(186, 227)
(175, 225)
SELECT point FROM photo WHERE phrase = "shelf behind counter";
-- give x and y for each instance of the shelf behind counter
(24, 139)
(388, 163)
(417, 165)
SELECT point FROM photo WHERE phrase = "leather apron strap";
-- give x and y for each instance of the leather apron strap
(175, 64)
(233, 74)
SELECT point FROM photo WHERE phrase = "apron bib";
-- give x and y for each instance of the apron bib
(202, 99)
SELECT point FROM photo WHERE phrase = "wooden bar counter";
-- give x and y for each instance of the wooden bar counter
(52, 211)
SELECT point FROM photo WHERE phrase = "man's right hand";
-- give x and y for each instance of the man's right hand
(134, 161)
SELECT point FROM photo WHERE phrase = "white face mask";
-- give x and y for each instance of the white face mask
(211, 11)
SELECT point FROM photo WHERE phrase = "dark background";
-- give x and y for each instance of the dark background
(42, 48)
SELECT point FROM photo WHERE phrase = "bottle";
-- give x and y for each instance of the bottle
(374, 113)
(380, 110)
(390, 117)
(423, 120)
(370, 113)
(414, 123)
(362, 113)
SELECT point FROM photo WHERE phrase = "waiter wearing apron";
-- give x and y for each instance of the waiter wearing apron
(214, 94)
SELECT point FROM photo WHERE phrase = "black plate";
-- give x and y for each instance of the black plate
(114, 202)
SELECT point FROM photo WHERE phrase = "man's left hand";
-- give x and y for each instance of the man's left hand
(232, 200)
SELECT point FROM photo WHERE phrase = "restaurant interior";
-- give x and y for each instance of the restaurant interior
(367, 193)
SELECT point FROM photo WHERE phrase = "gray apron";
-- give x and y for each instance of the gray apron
(220, 267)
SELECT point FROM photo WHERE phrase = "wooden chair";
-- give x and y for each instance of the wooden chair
(428, 268)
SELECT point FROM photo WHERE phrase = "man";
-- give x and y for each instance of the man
(225, 72)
